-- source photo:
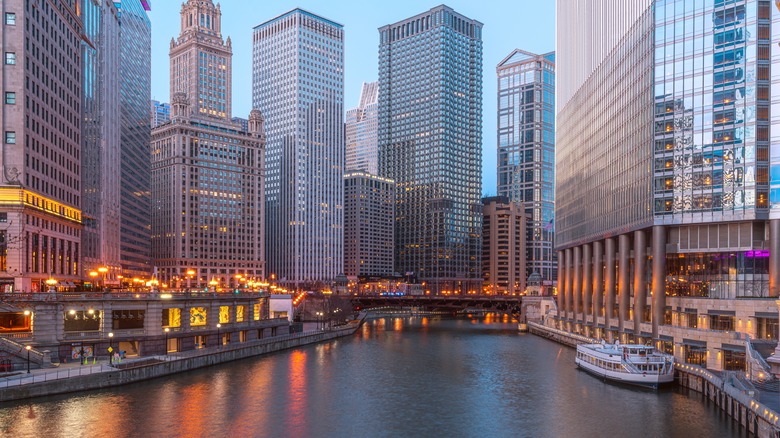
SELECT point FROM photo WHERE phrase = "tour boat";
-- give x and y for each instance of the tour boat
(632, 364)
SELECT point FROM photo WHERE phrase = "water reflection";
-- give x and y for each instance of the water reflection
(427, 376)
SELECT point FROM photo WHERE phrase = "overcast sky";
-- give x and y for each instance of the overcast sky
(508, 24)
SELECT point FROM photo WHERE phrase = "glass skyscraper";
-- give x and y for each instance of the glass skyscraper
(526, 151)
(430, 143)
(664, 187)
(136, 88)
(361, 131)
(298, 84)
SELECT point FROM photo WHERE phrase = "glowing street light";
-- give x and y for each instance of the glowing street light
(51, 282)
(103, 271)
(28, 348)
(166, 340)
(219, 339)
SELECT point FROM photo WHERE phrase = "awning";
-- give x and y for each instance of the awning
(732, 347)
(645, 335)
(770, 315)
(694, 343)
(666, 338)
(722, 312)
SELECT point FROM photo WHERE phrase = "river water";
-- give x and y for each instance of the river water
(397, 377)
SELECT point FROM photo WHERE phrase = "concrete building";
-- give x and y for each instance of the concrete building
(369, 223)
(361, 132)
(666, 223)
(430, 144)
(207, 174)
(161, 113)
(503, 247)
(298, 83)
(135, 72)
(100, 139)
(526, 151)
(41, 128)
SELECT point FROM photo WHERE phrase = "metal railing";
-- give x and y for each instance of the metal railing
(756, 361)
(38, 377)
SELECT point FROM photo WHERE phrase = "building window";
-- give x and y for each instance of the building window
(10, 58)
(10, 98)
(10, 137)
(10, 18)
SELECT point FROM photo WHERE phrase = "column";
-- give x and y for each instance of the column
(569, 277)
(561, 274)
(587, 282)
(609, 283)
(774, 257)
(659, 277)
(640, 285)
(598, 280)
(624, 247)
(577, 282)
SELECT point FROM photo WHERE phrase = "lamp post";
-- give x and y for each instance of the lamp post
(111, 349)
(213, 284)
(166, 340)
(102, 271)
(51, 282)
(219, 340)
(28, 348)
(190, 273)
(93, 275)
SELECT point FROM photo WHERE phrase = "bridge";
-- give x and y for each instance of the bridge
(455, 303)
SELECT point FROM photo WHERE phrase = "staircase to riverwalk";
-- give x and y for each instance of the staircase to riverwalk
(18, 353)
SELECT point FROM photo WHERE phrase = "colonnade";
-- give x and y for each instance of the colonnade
(597, 281)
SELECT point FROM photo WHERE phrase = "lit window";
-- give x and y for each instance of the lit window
(10, 58)
(10, 137)
(10, 18)
(10, 98)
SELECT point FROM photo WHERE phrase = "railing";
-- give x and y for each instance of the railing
(756, 361)
(17, 335)
(18, 350)
(39, 377)
(124, 295)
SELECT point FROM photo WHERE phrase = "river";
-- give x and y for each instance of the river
(397, 377)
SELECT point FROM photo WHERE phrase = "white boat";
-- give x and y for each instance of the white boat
(632, 364)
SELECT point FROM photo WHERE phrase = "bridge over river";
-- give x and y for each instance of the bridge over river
(456, 303)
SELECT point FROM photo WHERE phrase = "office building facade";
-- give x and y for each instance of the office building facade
(665, 216)
(298, 84)
(369, 224)
(136, 90)
(503, 246)
(41, 126)
(430, 144)
(361, 132)
(161, 113)
(526, 151)
(207, 174)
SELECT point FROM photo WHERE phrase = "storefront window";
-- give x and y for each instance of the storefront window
(197, 316)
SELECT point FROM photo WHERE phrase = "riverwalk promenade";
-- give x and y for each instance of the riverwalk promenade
(74, 377)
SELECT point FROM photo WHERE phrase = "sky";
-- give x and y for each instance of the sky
(508, 24)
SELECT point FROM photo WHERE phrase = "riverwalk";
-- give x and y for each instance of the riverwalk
(720, 388)
(73, 377)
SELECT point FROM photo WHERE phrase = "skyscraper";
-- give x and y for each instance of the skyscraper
(135, 84)
(369, 222)
(298, 83)
(664, 200)
(430, 143)
(503, 246)
(207, 174)
(361, 132)
(526, 150)
(161, 113)
(40, 125)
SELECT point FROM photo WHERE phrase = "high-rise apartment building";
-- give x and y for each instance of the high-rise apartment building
(369, 223)
(665, 199)
(361, 132)
(298, 84)
(526, 150)
(207, 174)
(136, 90)
(40, 129)
(100, 139)
(430, 144)
(161, 113)
(503, 246)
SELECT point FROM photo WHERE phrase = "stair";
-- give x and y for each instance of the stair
(42, 358)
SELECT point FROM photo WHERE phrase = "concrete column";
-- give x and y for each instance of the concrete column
(640, 272)
(659, 277)
(569, 276)
(609, 283)
(577, 283)
(598, 280)
(774, 257)
(587, 282)
(623, 287)
(561, 273)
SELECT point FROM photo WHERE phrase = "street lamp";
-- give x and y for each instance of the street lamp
(319, 320)
(190, 273)
(93, 275)
(103, 271)
(213, 284)
(51, 282)
(28, 348)
(111, 349)
(166, 340)
(219, 339)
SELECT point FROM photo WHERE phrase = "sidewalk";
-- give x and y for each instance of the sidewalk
(63, 371)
